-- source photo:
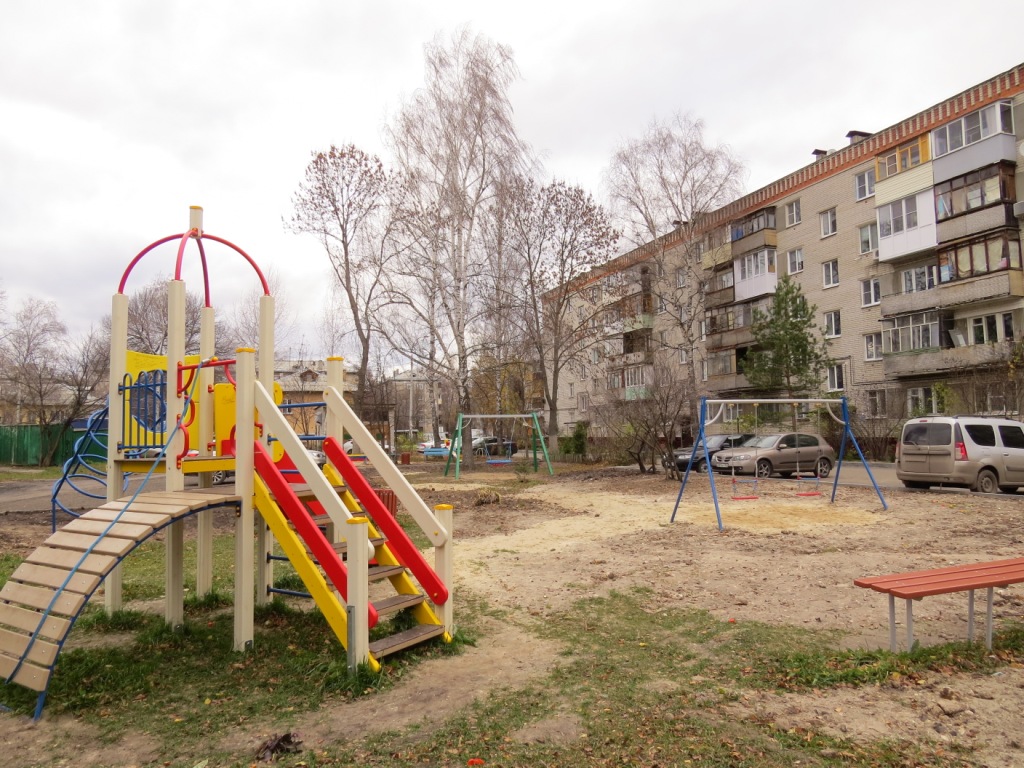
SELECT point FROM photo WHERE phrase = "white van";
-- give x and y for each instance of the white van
(977, 452)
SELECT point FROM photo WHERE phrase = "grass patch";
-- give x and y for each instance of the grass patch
(30, 473)
(7, 565)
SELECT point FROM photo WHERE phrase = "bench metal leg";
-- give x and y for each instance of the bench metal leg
(910, 625)
(988, 620)
(892, 623)
(970, 616)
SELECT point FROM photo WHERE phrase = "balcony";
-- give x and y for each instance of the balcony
(976, 222)
(734, 337)
(720, 297)
(996, 285)
(931, 361)
(728, 383)
(763, 238)
(628, 359)
(637, 322)
(716, 257)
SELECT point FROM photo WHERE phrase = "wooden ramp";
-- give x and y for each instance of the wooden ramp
(47, 592)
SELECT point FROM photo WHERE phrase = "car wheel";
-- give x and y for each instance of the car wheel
(987, 482)
(915, 484)
(700, 466)
(218, 477)
(823, 467)
(764, 468)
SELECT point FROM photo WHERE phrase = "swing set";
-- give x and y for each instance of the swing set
(528, 421)
(824, 405)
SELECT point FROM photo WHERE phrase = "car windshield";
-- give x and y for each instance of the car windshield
(763, 441)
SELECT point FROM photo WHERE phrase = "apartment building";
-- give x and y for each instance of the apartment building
(907, 241)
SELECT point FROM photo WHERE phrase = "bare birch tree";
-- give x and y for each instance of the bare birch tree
(454, 143)
(560, 235)
(341, 201)
(662, 186)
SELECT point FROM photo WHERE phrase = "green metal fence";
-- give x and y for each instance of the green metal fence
(22, 445)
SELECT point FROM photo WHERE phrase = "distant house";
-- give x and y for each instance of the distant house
(302, 384)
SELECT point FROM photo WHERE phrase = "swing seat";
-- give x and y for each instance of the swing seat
(499, 461)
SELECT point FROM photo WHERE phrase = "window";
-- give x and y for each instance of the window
(615, 380)
(974, 190)
(1008, 334)
(683, 357)
(792, 213)
(904, 157)
(635, 376)
(796, 260)
(978, 257)
(703, 330)
(662, 305)
(572, 389)
(868, 238)
(836, 381)
(920, 278)
(720, 363)
(984, 329)
(830, 273)
(870, 292)
(909, 332)
(922, 400)
(873, 346)
(757, 263)
(833, 327)
(680, 277)
(1012, 437)
(584, 402)
(876, 404)
(828, 222)
(864, 184)
(897, 217)
(703, 370)
(995, 118)
(761, 220)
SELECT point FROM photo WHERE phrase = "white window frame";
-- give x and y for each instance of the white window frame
(864, 185)
(583, 402)
(793, 213)
(897, 216)
(922, 278)
(795, 261)
(923, 398)
(873, 346)
(833, 324)
(972, 128)
(683, 357)
(870, 292)
(829, 222)
(836, 378)
(872, 238)
(830, 273)
(876, 405)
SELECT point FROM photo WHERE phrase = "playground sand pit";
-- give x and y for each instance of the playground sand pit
(532, 549)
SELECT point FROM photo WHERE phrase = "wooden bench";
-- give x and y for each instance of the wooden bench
(436, 453)
(916, 585)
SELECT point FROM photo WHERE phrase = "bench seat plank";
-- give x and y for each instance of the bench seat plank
(885, 583)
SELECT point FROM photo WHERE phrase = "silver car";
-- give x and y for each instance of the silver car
(783, 454)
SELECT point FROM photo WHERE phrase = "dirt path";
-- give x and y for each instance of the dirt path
(781, 559)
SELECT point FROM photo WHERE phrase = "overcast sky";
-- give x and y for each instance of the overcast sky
(116, 116)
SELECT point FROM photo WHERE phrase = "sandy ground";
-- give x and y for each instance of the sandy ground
(782, 558)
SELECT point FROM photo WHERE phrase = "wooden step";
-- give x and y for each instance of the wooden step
(67, 604)
(83, 542)
(381, 572)
(29, 675)
(43, 653)
(69, 558)
(396, 603)
(27, 620)
(113, 530)
(341, 547)
(152, 519)
(410, 637)
(57, 578)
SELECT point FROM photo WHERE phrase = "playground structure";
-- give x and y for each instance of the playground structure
(169, 415)
(529, 420)
(824, 406)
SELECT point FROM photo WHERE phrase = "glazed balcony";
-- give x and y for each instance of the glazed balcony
(734, 337)
(763, 238)
(720, 297)
(729, 382)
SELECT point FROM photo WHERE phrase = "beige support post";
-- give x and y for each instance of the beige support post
(444, 565)
(333, 427)
(265, 372)
(174, 589)
(112, 600)
(245, 435)
(204, 401)
(358, 594)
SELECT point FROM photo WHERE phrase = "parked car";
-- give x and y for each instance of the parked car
(493, 446)
(715, 443)
(784, 454)
(977, 452)
(429, 443)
